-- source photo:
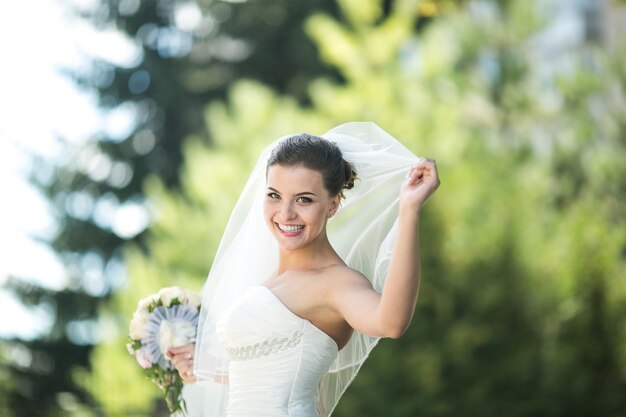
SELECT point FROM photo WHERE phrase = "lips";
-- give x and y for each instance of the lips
(290, 229)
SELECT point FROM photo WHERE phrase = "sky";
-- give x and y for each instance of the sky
(38, 105)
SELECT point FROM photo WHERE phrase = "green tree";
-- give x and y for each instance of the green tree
(5, 382)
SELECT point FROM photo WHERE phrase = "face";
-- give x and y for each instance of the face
(297, 206)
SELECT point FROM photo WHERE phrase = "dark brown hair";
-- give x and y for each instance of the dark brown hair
(319, 154)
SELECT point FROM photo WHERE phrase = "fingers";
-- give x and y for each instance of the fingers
(424, 170)
(181, 349)
(416, 175)
(425, 163)
(187, 377)
(182, 358)
(183, 361)
(184, 364)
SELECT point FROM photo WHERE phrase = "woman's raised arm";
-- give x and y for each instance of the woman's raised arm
(389, 314)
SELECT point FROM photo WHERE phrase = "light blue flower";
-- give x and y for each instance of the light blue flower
(181, 316)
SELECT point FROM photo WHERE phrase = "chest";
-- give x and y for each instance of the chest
(309, 300)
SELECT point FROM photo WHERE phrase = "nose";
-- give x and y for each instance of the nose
(287, 211)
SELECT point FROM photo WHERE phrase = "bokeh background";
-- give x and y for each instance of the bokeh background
(134, 163)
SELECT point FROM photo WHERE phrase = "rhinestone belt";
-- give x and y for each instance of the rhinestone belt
(267, 347)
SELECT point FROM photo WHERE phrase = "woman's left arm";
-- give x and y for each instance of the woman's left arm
(397, 301)
(389, 314)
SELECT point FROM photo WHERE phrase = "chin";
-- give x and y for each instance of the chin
(290, 244)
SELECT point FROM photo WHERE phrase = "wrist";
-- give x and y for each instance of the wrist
(409, 212)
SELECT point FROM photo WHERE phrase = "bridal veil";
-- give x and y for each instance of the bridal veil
(362, 232)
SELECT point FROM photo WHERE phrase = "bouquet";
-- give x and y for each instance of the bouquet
(164, 320)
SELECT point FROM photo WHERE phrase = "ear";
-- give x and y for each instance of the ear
(334, 205)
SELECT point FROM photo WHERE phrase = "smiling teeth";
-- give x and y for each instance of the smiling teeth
(286, 228)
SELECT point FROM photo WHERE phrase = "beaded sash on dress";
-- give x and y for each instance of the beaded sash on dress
(267, 347)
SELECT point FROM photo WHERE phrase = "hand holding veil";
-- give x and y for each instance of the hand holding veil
(362, 232)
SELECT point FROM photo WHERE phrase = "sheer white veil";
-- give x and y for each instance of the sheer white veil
(362, 232)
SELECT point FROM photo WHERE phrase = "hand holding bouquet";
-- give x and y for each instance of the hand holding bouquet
(164, 321)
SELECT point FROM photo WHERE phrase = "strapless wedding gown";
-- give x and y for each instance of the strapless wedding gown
(277, 358)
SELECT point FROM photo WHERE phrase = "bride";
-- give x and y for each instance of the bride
(319, 260)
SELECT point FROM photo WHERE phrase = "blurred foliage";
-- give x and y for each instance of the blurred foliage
(523, 301)
(37, 367)
(5, 381)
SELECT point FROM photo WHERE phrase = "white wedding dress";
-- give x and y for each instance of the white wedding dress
(277, 358)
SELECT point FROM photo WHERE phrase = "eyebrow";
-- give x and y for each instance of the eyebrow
(297, 195)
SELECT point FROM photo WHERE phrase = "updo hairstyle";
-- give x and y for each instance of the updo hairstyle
(318, 154)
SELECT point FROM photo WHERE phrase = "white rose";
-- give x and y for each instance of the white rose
(138, 325)
(181, 295)
(168, 294)
(175, 334)
(143, 358)
(146, 302)
(194, 298)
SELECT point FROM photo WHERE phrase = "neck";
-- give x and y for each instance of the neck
(317, 255)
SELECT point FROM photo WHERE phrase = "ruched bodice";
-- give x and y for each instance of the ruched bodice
(277, 357)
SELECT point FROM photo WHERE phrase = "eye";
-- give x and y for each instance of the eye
(304, 200)
(273, 196)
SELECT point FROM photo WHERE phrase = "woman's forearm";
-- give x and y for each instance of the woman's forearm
(401, 288)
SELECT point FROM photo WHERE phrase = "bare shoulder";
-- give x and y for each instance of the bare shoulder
(345, 290)
(340, 277)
